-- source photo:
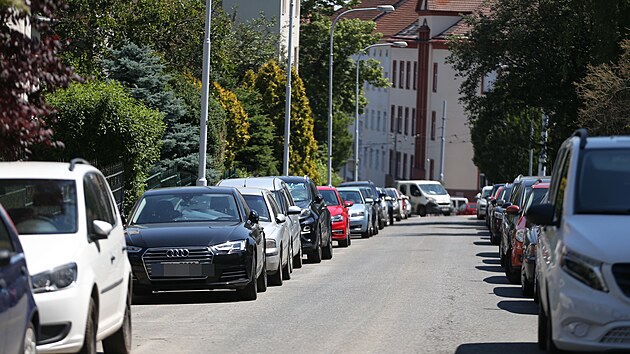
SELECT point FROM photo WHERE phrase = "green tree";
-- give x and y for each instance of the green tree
(605, 93)
(350, 36)
(236, 134)
(99, 121)
(540, 49)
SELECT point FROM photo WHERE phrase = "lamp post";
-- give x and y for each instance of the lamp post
(356, 103)
(203, 128)
(382, 8)
(287, 108)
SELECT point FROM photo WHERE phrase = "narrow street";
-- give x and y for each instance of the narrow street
(424, 285)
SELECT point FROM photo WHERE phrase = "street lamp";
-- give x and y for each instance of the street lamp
(205, 82)
(382, 8)
(356, 103)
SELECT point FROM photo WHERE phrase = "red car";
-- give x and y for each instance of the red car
(338, 214)
(467, 209)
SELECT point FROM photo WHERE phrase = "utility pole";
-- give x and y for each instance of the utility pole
(531, 148)
(443, 141)
(287, 107)
(205, 82)
(542, 161)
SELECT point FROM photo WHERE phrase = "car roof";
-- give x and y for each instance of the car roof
(271, 183)
(252, 190)
(326, 188)
(43, 170)
(191, 189)
(542, 185)
(607, 142)
(294, 179)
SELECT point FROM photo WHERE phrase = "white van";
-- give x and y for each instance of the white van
(427, 197)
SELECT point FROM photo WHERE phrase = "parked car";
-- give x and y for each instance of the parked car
(283, 197)
(493, 196)
(496, 220)
(482, 201)
(19, 320)
(457, 202)
(510, 246)
(379, 218)
(193, 238)
(314, 218)
(406, 205)
(467, 209)
(397, 203)
(278, 246)
(527, 234)
(582, 255)
(73, 241)
(360, 211)
(338, 215)
(387, 205)
(427, 197)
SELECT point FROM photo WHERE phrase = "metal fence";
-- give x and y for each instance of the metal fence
(115, 176)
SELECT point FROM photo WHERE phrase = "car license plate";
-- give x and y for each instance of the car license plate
(181, 269)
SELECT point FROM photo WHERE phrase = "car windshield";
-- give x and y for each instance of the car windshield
(486, 192)
(506, 193)
(535, 197)
(185, 207)
(391, 193)
(330, 197)
(298, 191)
(432, 189)
(40, 206)
(353, 196)
(603, 183)
(257, 202)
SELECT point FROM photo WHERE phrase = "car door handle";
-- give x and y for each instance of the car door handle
(112, 259)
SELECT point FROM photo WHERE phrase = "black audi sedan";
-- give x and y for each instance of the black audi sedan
(191, 238)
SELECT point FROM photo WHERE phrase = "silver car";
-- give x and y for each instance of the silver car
(278, 248)
(359, 212)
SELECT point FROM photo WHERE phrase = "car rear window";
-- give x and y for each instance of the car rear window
(603, 182)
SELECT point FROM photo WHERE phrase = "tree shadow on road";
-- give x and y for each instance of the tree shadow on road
(498, 348)
(187, 297)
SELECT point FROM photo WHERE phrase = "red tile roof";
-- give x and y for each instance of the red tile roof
(392, 23)
(461, 6)
(366, 15)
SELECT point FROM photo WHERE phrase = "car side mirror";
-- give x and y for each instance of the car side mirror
(478, 196)
(348, 203)
(101, 229)
(280, 218)
(319, 198)
(506, 205)
(541, 214)
(253, 217)
(5, 257)
(513, 210)
(294, 210)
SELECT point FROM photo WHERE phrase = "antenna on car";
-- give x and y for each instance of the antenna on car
(76, 161)
(583, 134)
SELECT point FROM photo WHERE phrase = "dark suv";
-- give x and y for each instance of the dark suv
(314, 219)
(379, 215)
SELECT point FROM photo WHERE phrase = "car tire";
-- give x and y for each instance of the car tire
(262, 279)
(542, 327)
(344, 242)
(29, 345)
(381, 224)
(526, 286)
(89, 338)
(501, 256)
(297, 259)
(512, 275)
(288, 269)
(315, 256)
(120, 341)
(550, 346)
(422, 210)
(276, 278)
(327, 253)
(366, 234)
(249, 292)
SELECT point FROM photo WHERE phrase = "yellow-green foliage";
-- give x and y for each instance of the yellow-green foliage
(236, 123)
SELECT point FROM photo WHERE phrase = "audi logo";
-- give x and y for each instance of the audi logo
(177, 252)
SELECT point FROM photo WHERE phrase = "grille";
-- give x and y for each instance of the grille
(157, 255)
(619, 335)
(622, 276)
(233, 274)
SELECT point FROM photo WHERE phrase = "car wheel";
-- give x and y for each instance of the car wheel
(526, 286)
(315, 256)
(422, 210)
(542, 327)
(513, 275)
(262, 278)
(381, 224)
(297, 259)
(327, 253)
(89, 338)
(550, 346)
(120, 341)
(276, 278)
(366, 234)
(501, 256)
(344, 242)
(288, 269)
(30, 340)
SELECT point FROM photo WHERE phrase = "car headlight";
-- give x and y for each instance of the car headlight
(520, 235)
(56, 279)
(483, 202)
(271, 247)
(432, 200)
(360, 213)
(305, 213)
(584, 269)
(306, 229)
(133, 249)
(337, 218)
(229, 247)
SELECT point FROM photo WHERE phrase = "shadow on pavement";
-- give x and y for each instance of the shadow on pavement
(421, 234)
(187, 297)
(493, 261)
(509, 291)
(482, 243)
(521, 307)
(497, 279)
(496, 269)
(488, 254)
(498, 348)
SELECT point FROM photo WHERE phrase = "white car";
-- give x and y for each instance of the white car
(482, 201)
(74, 245)
(583, 253)
(278, 246)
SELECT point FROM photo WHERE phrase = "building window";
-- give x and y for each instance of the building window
(399, 120)
(372, 119)
(435, 78)
(432, 125)
(394, 74)
(398, 165)
(406, 120)
(413, 122)
(384, 121)
(391, 123)
(404, 166)
(411, 167)
(378, 120)
(415, 75)
(382, 160)
(401, 78)
(408, 74)
(431, 166)
(391, 159)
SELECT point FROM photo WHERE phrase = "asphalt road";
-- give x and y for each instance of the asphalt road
(424, 285)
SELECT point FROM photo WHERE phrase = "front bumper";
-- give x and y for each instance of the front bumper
(226, 271)
(339, 231)
(585, 319)
(358, 224)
